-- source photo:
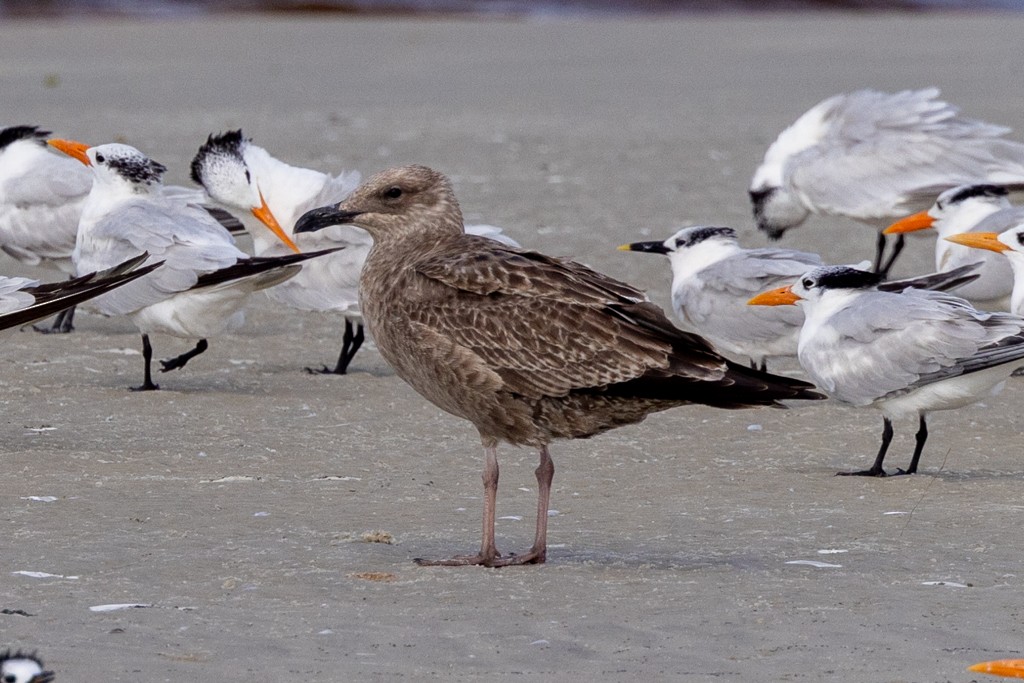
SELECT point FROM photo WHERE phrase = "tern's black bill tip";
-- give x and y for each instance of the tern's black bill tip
(325, 216)
(646, 247)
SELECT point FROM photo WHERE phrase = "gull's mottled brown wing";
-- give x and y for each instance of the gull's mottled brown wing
(548, 326)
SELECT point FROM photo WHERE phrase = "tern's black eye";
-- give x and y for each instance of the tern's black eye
(248, 178)
(807, 283)
(100, 158)
(393, 192)
(1020, 238)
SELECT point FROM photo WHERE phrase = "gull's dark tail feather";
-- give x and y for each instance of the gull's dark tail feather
(698, 374)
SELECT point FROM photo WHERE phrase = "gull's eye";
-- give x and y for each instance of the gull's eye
(99, 160)
(393, 192)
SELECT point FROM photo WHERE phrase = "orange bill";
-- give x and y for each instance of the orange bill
(72, 149)
(980, 240)
(783, 296)
(1010, 668)
(267, 218)
(919, 221)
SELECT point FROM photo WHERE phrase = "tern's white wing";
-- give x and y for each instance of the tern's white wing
(886, 344)
(187, 240)
(12, 298)
(40, 203)
(714, 301)
(885, 154)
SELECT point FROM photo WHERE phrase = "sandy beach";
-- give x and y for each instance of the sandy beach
(244, 503)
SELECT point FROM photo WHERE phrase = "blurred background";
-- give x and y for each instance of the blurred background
(504, 8)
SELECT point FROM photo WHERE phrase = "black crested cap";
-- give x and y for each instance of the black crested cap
(698, 234)
(224, 143)
(15, 133)
(20, 654)
(982, 190)
(137, 169)
(843, 277)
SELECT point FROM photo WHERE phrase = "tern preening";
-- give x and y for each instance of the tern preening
(527, 347)
(41, 198)
(17, 666)
(904, 353)
(970, 208)
(239, 174)
(875, 156)
(713, 278)
(205, 281)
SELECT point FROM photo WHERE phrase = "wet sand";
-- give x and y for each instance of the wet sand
(241, 501)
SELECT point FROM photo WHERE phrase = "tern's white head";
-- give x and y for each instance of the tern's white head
(691, 249)
(23, 149)
(956, 210)
(14, 139)
(116, 165)
(220, 166)
(818, 284)
(22, 667)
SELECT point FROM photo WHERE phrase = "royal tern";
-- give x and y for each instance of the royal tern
(713, 277)
(205, 280)
(23, 667)
(527, 347)
(970, 208)
(41, 198)
(1009, 243)
(875, 156)
(905, 353)
(241, 175)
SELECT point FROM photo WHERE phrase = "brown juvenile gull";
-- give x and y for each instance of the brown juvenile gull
(527, 347)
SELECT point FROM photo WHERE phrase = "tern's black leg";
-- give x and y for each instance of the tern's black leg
(62, 324)
(764, 365)
(876, 469)
(921, 437)
(147, 357)
(884, 268)
(180, 361)
(351, 340)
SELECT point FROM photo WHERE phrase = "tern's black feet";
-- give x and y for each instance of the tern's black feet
(326, 371)
(873, 472)
(62, 324)
(179, 362)
(145, 386)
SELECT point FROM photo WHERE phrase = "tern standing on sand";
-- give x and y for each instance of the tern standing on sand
(875, 156)
(527, 347)
(905, 353)
(205, 280)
